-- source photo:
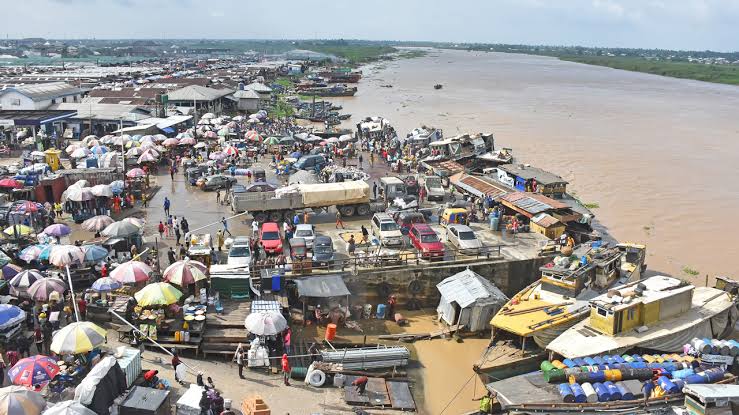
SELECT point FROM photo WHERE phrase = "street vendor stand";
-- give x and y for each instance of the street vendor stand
(146, 401)
(319, 290)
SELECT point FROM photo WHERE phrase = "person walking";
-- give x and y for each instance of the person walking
(166, 205)
(365, 235)
(82, 307)
(218, 196)
(360, 384)
(144, 200)
(225, 226)
(285, 369)
(287, 339)
(374, 190)
(48, 333)
(360, 159)
(171, 256)
(161, 229)
(38, 339)
(240, 362)
(176, 362)
(352, 245)
(306, 217)
(338, 220)
(177, 235)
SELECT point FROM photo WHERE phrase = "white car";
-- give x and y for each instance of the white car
(240, 252)
(463, 238)
(306, 232)
(386, 230)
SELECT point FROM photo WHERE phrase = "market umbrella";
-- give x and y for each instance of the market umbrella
(231, 151)
(131, 272)
(146, 157)
(10, 183)
(94, 253)
(88, 138)
(42, 289)
(78, 337)
(80, 153)
(159, 137)
(185, 272)
(93, 143)
(99, 150)
(78, 194)
(224, 132)
(105, 284)
(170, 142)
(158, 293)
(18, 229)
(272, 141)
(200, 145)
(252, 135)
(137, 172)
(10, 271)
(208, 116)
(34, 370)
(10, 315)
(287, 140)
(183, 135)
(71, 148)
(58, 229)
(134, 152)
(134, 221)
(217, 155)
(101, 190)
(119, 141)
(187, 141)
(17, 400)
(97, 223)
(120, 229)
(28, 207)
(265, 323)
(69, 408)
(4, 258)
(117, 186)
(65, 255)
(211, 134)
(39, 252)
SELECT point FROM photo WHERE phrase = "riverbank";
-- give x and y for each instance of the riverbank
(651, 151)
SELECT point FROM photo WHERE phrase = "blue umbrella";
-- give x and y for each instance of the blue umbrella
(10, 315)
(296, 155)
(94, 253)
(99, 150)
(117, 186)
(10, 271)
(105, 284)
(38, 252)
(57, 229)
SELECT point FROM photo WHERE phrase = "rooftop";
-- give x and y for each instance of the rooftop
(49, 90)
(467, 287)
(246, 94)
(528, 172)
(97, 111)
(532, 203)
(258, 87)
(35, 117)
(198, 93)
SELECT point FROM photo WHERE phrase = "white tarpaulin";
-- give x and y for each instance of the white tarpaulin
(189, 403)
(85, 391)
(326, 194)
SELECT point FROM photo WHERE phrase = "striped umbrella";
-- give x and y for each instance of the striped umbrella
(34, 370)
(105, 284)
(185, 272)
(58, 229)
(217, 155)
(76, 338)
(42, 288)
(10, 271)
(65, 255)
(17, 400)
(134, 221)
(159, 293)
(69, 408)
(97, 223)
(25, 279)
(120, 229)
(94, 253)
(10, 315)
(38, 252)
(28, 207)
(99, 149)
(211, 134)
(231, 151)
(252, 135)
(146, 157)
(131, 272)
(170, 142)
(137, 172)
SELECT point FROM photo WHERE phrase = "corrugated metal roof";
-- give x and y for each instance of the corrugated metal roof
(545, 220)
(198, 93)
(258, 87)
(532, 203)
(322, 286)
(530, 172)
(480, 186)
(44, 91)
(246, 94)
(467, 287)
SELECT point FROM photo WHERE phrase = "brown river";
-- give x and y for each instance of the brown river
(660, 156)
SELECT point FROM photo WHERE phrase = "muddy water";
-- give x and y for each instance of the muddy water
(658, 155)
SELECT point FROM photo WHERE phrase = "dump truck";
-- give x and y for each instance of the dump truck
(350, 198)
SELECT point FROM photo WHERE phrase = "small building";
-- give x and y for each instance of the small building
(547, 225)
(533, 179)
(202, 98)
(469, 300)
(248, 100)
(39, 96)
(263, 90)
(532, 204)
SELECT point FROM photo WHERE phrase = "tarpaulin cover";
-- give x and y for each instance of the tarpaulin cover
(322, 287)
(326, 194)
(105, 382)
(144, 400)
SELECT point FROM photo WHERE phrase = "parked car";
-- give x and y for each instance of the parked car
(310, 162)
(386, 230)
(305, 231)
(217, 181)
(434, 189)
(464, 239)
(195, 173)
(261, 187)
(405, 219)
(269, 238)
(426, 241)
(240, 252)
(323, 251)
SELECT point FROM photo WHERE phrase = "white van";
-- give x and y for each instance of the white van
(386, 230)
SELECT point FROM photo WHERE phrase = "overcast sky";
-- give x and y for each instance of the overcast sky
(673, 24)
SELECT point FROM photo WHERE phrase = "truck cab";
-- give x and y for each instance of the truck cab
(434, 189)
(392, 188)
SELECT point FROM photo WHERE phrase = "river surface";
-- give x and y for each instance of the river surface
(660, 156)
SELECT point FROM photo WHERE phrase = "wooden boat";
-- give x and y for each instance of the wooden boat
(438, 86)
(545, 309)
(659, 313)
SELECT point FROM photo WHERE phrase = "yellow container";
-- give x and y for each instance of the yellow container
(558, 364)
(613, 375)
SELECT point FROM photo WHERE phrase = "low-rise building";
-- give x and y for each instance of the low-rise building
(39, 96)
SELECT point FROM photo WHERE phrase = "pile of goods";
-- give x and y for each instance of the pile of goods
(626, 377)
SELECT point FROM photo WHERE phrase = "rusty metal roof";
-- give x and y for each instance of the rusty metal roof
(545, 220)
(532, 203)
(480, 186)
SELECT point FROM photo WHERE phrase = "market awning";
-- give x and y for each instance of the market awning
(322, 287)
(9, 118)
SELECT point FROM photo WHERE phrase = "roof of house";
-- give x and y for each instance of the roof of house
(480, 186)
(532, 203)
(545, 220)
(258, 87)
(322, 286)
(528, 172)
(246, 94)
(467, 287)
(49, 90)
(99, 111)
(198, 93)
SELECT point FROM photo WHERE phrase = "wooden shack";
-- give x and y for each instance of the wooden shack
(547, 225)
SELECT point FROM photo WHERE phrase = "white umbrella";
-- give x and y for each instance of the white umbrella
(80, 152)
(134, 152)
(208, 116)
(265, 323)
(63, 255)
(102, 190)
(77, 194)
(69, 408)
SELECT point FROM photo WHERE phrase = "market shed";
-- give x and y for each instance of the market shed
(469, 300)
(321, 289)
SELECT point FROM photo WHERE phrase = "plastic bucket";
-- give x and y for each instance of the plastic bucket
(330, 331)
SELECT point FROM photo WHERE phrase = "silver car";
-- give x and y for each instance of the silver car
(463, 238)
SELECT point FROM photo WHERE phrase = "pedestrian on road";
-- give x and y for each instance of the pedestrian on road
(82, 307)
(161, 230)
(305, 217)
(374, 190)
(171, 256)
(254, 228)
(176, 362)
(338, 220)
(285, 370)
(184, 225)
(360, 160)
(296, 220)
(240, 362)
(225, 226)
(219, 239)
(171, 172)
(144, 200)
(365, 235)
(352, 245)
(183, 251)
(166, 205)
(38, 338)
(287, 339)
(218, 196)
(177, 235)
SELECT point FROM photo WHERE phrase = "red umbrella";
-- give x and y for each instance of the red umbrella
(28, 207)
(231, 151)
(10, 183)
(35, 370)
(133, 173)
(131, 272)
